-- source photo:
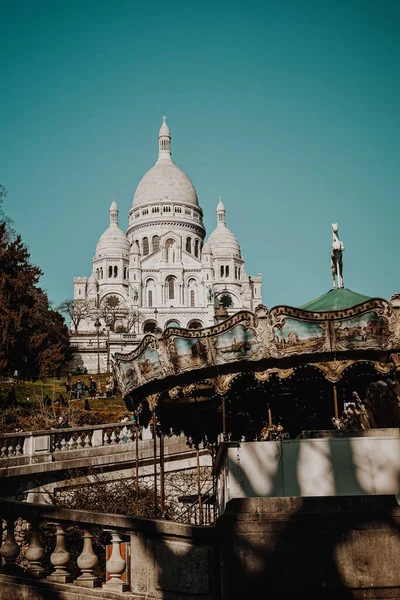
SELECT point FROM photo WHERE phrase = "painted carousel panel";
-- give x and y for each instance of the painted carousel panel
(293, 336)
(149, 364)
(363, 331)
(188, 353)
(237, 344)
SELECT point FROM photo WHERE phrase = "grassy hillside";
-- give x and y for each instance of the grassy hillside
(22, 405)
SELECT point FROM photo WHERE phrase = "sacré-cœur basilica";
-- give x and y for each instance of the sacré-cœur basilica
(163, 271)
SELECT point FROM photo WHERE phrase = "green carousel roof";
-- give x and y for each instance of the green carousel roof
(335, 299)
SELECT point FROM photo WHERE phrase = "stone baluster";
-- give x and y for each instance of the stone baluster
(60, 558)
(18, 447)
(63, 443)
(113, 439)
(71, 443)
(3, 450)
(129, 435)
(35, 553)
(79, 444)
(87, 443)
(56, 442)
(115, 565)
(10, 449)
(106, 439)
(10, 551)
(121, 436)
(87, 561)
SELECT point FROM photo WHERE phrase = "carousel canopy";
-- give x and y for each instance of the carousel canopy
(335, 299)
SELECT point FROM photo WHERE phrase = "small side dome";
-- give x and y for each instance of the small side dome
(222, 241)
(113, 243)
(206, 249)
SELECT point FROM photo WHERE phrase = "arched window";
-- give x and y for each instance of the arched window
(195, 325)
(101, 272)
(222, 270)
(115, 271)
(155, 243)
(189, 245)
(192, 298)
(227, 271)
(125, 272)
(110, 271)
(196, 247)
(97, 273)
(150, 299)
(172, 324)
(145, 246)
(149, 327)
(171, 288)
(238, 273)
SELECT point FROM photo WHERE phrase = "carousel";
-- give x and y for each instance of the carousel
(329, 364)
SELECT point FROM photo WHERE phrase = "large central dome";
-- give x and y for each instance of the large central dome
(165, 181)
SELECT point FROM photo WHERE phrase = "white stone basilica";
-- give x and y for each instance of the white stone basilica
(161, 272)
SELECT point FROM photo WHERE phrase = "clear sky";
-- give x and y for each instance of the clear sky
(288, 109)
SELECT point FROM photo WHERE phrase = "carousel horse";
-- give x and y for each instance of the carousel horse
(336, 257)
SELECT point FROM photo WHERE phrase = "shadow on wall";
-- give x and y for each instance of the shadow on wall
(325, 547)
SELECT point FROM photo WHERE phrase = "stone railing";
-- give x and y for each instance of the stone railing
(40, 563)
(43, 445)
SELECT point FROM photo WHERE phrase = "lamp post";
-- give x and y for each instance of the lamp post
(97, 324)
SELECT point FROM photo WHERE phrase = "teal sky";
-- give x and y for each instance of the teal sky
(288, 109)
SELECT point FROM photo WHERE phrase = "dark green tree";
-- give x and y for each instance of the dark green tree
(34, 339)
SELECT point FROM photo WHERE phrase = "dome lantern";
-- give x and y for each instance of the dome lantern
(164, 142)
(113, 212)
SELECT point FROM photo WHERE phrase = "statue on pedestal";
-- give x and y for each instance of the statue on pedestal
(336, 257)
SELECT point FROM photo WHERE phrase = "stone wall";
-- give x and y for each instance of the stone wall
(346, 547)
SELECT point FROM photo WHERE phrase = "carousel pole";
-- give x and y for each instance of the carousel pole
(137, 465)
(162, 493)
(335, 402)
(155, 462)
(223, 418)
(199, 487)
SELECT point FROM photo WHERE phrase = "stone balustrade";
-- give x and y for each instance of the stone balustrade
(43, 446)
(56, 566)
(49, 561)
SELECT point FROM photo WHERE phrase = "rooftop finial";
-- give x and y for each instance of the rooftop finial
(336, 257)
(163, 118)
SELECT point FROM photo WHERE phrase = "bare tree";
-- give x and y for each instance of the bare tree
(131, 319)
(76, 310)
